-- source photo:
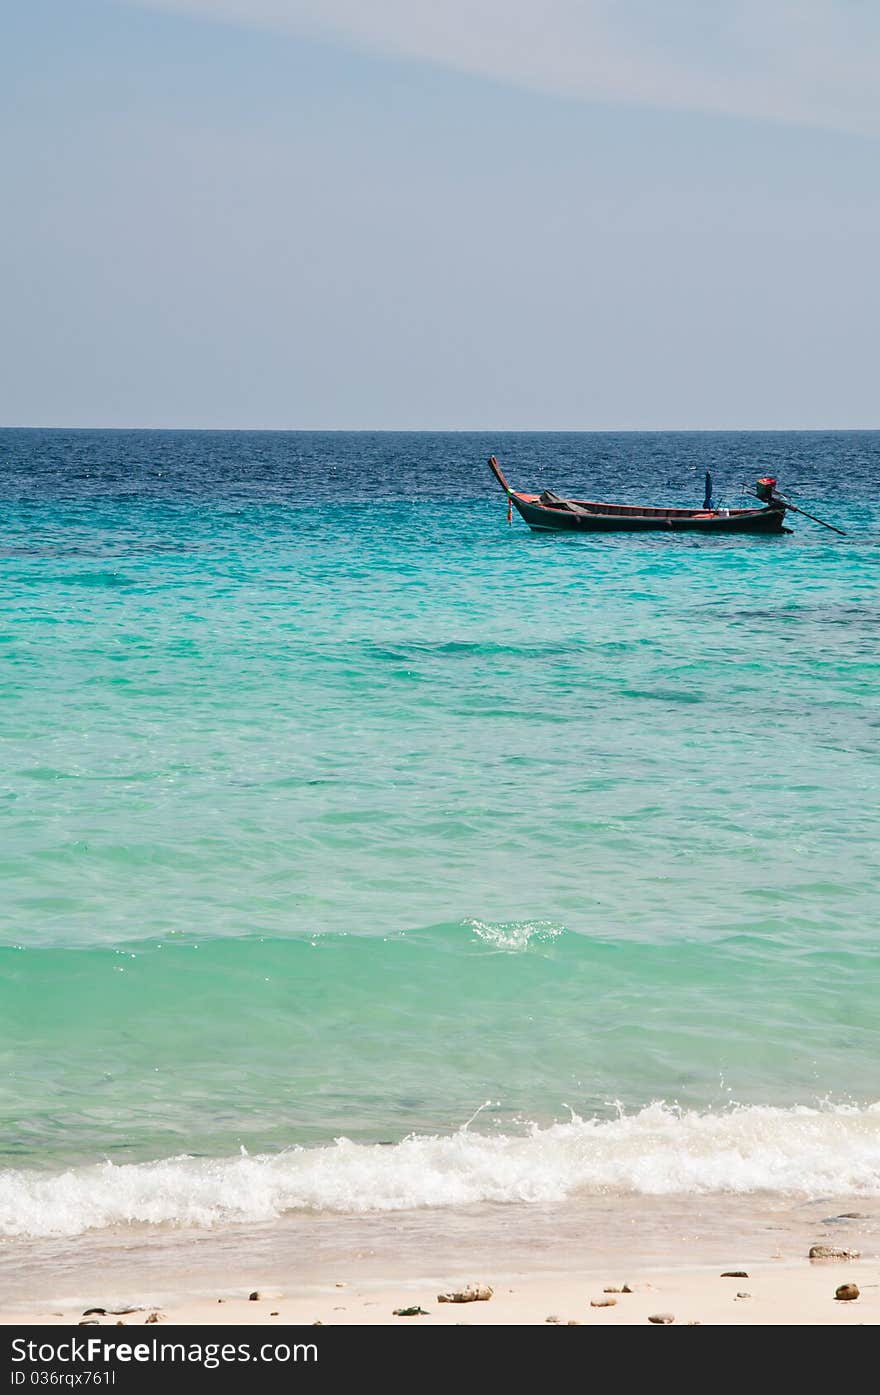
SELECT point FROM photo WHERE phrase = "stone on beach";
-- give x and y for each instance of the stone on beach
(602, 1302)
(846, 1293)
(832, 1252)
(663, 1318)
(109, 1312)
(734, 1274)
(415, 1311)
(473, 1293)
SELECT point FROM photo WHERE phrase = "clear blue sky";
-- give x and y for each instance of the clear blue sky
(324, 213)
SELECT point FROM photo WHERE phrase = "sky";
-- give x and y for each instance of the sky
(481, 214)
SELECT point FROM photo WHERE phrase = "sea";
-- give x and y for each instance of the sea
(377, 874)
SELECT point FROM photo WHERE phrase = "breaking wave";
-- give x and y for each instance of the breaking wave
(656, 1151)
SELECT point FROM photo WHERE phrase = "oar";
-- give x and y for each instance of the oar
(794, 508)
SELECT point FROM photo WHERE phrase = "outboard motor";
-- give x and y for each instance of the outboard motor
(766, 492)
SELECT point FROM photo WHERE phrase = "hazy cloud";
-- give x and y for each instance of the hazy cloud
(806, 61)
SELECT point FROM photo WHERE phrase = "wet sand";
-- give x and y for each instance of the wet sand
(541, 1261)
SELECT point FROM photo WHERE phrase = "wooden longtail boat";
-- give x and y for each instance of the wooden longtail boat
(548, 511)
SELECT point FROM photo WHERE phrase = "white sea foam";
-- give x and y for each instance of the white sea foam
(514, 934)
(657, 1151)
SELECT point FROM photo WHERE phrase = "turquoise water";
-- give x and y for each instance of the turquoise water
(334, 807)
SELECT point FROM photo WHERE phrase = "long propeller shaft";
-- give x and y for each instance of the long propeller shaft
(794, 508)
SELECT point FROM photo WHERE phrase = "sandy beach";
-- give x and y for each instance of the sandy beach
(768, 1294)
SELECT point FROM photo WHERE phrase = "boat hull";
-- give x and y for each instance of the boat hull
(543, 519)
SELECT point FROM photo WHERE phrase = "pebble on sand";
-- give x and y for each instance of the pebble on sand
(255, 1296)
(832, 1252)
(602, 1302)
(734, 1274)
(846, 1293)
(473, 1293)
(108, 1312)
(415, 1311)
(663, 1318)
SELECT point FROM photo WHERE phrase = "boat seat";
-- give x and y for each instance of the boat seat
(555, 501)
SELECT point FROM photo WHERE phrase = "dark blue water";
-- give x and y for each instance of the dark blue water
(229, 467)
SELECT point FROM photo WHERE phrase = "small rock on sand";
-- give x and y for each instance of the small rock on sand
(602, 1302)
(410, 1312)
(734, 1274)
(473, 1293)
(154, 1317)
(626, 1289)
(743, 1295)
(613, 1288)
(663, 1318)
(255, 1296)
(846, 1293)
(553, 1318)
(831, 1252)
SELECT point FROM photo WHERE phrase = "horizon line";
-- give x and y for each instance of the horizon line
(467, 430)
